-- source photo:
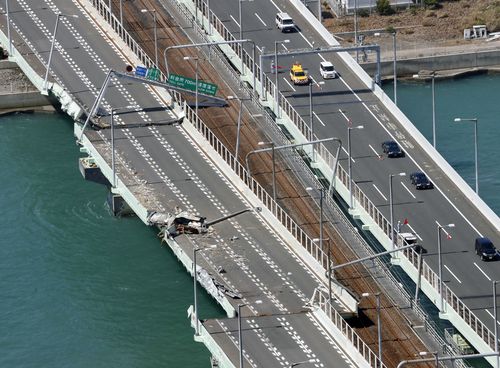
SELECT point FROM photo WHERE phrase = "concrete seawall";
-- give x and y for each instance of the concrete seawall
(484, 60)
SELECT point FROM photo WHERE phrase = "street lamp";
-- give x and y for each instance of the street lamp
(321, 196)
(311, 119)
(473, 120)
(303, 362)
(59, 15)
(440, 264)
(239, 123)
(154, 30)
(240, 334)
(274, 164)
(395, 74)
(328, 260)
(276, 86)
(196, 87)
(495, 317)
(240, 20)
(379, 324)
(8, 26)
(113, 142)
(195, 286)
(391, 206)
(349, 128)
(433, 75)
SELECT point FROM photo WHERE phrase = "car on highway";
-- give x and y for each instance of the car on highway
(392, 149)
(420, 180)
(485, 249)
(327, 70)
(298, 74)
(284, 22)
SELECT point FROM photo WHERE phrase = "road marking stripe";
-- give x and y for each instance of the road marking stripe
(491, 315)
(378, 190)
(345, 116)
(287, 82)
(452, 274)
(484, 273)
(373, 149)
(317, 117)
(257, 15)
(414, 232)
(234, 20)
(408, 190)
(347, 153)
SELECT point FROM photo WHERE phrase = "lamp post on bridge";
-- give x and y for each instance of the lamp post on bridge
(391, 207)
(238, 128)
(349, 128)
(113, 168)
(394, 66)
(311, 118)
(8, 27)
(195, 286)
(473, 120)
(276, 85)
(59, 15)
(433, 77)
(155, 32)
(440, 264)
(196, 60)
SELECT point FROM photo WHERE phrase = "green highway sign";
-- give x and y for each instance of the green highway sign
(153, 74)
(190, 84)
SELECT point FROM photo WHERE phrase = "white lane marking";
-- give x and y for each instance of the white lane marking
(276, 6)
(378, 190)
(321, 57)
(316, 83)
(347, 153)
(373, 149)
(305, 39)
(258, 48)
(414, 232)
(287, 82)
(317, 117)
(408, 190)
(234, 20)
(345, 117)
(259, 18)
(452, 274)
(484, 273)
(491, 315)
(443, 229)
(284, 46)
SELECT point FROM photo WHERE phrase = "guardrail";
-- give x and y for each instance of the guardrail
(370, 209)
(267, 200)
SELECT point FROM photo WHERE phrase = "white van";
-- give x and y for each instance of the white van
(327, 70)
(284, 22)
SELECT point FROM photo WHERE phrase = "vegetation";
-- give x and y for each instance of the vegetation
(384, 7)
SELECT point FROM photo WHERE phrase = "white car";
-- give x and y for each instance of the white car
(327, 70)
(284, 22)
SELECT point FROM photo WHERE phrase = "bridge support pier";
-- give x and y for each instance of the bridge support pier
(118, 205)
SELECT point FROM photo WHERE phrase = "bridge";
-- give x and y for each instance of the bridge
(161, 169)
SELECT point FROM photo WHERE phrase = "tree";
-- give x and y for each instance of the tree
(384, 7)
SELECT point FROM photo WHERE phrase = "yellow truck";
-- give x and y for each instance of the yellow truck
(298, 75)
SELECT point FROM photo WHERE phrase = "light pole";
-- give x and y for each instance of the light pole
(316, 240)
(155, 34)
(113, 168)
(495, 316)
(8, 26)
(274, 164)
(238, 129)
(240, 18)
(276, 86)
(440, 265)
(321, 196)
(240, 335)
(311, 118)
(433, 75)
(356, 28)
(59, 15)
(379, 324)
(391, 207)
(196, 59)
(303, 362)
(395, 60)
(195, 287)
(473, 120)
(349, 128)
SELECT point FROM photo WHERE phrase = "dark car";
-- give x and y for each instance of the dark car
(485, 249)
(420, 180)
(392, 149)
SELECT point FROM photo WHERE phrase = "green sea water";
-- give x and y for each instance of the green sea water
(79, 287)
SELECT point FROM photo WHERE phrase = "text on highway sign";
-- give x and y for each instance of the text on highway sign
(190, 84)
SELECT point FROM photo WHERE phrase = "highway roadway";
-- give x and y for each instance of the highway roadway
(175, 173)
(345, 101)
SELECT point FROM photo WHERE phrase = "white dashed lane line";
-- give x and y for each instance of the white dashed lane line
(484, 273)
(379, 192)
(452, 274)
(408, 190)
(259, 18)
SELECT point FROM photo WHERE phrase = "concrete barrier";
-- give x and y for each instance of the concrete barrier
(23, 100)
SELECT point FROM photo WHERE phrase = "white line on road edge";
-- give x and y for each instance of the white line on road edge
(257, 15)
(287, 82)
(452, 274)
(347, 153)
(234, 20)
(373, 149)
(378, 190)
(484, 273)
(414, 232)
(317, 117)
(408, 190)
(345, 117)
